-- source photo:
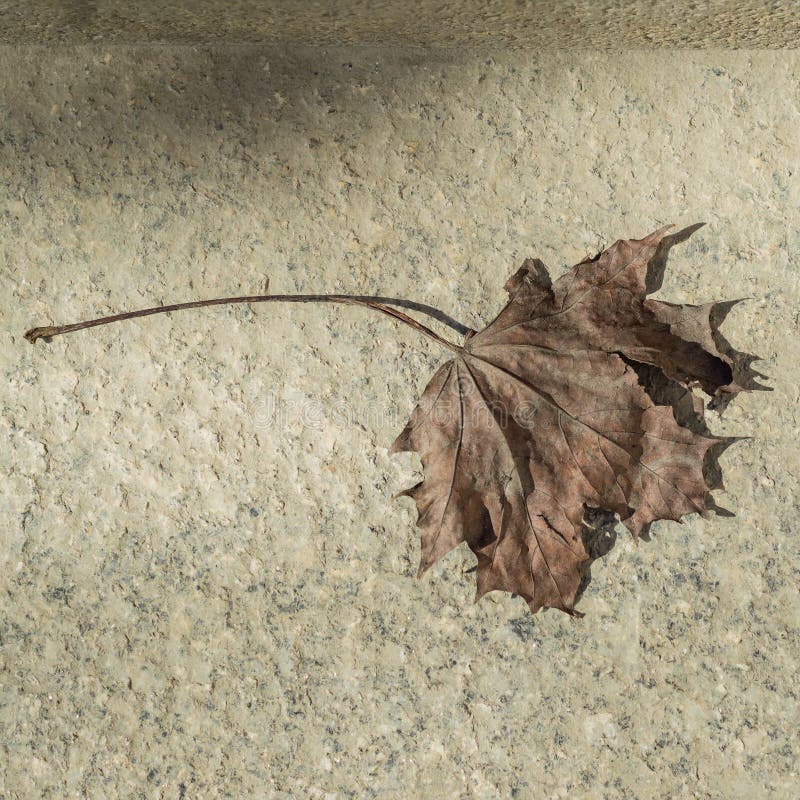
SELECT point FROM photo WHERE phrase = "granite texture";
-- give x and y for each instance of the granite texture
(206, 590)
(531, 24)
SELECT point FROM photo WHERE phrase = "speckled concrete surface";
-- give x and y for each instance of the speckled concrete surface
(207, 591)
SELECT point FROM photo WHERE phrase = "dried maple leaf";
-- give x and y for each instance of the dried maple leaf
(577, 396)
(542, 414)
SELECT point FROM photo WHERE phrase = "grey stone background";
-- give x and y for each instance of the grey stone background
(206, 589)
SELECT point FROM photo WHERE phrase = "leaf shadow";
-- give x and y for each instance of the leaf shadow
(601, 527)
(743, 373)
(658, 263)
(599, 532)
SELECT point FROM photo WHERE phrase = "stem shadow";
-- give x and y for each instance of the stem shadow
(422, 308)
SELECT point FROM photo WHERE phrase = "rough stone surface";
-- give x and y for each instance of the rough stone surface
(610, 24)
(206, 590)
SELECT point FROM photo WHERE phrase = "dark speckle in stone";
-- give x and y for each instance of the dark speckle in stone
(523, 627)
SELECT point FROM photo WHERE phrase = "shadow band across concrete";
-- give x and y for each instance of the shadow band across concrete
(537, 24)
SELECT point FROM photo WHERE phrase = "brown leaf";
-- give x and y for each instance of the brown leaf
(543, 414)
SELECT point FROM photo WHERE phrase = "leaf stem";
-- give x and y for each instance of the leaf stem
(48, 332)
